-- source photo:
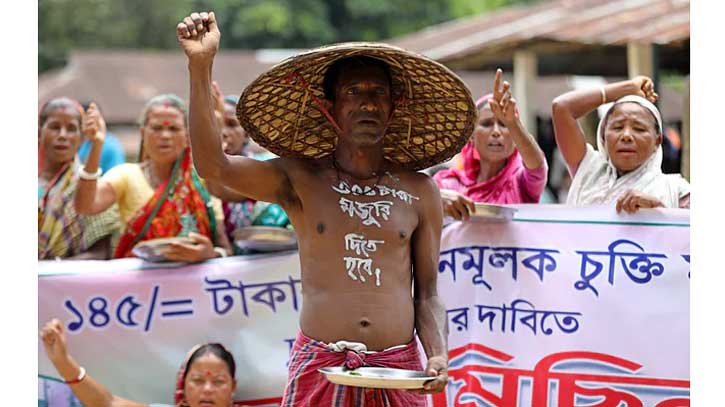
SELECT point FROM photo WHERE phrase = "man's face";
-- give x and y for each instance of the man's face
(363, 104)
(233, 135)
(631, 136)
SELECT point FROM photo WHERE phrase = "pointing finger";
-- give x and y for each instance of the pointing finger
(497, 84)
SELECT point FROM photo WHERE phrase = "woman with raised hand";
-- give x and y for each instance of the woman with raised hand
(161, 196)
(62, 233)
(626, 166)
(206, 378)
(502, 163)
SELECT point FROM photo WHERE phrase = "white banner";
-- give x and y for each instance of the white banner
(562, 306)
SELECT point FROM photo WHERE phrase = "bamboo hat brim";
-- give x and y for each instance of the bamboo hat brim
(433, 114)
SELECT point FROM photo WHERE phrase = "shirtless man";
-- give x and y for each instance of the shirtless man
(368, 231)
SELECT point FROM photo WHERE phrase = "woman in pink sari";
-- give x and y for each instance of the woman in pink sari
(502, 163)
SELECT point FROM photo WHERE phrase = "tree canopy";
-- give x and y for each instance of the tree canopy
(246, 24)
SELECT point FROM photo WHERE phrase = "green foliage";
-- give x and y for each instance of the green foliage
(462, 8)
(67, 24)
(248, 24)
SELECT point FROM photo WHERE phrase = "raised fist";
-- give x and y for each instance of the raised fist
(199, 36)
(645, 87)
(53, 336)
(93, 125)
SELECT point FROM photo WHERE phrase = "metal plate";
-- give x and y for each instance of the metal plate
(376, 377)
(265, 238)
(153, 249)
(495, 213)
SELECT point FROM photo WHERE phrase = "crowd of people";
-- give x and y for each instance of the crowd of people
(94, 205)
(324, 191)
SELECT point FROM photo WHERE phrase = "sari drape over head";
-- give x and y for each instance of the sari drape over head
(597, 181)
(181, 204)
(513, 184)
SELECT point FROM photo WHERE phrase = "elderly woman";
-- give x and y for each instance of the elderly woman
(206, 377)
(626, 167)
(160, 197)
(62, 233)
(502, 163)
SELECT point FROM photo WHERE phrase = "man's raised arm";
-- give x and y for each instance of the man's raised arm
(199, 36)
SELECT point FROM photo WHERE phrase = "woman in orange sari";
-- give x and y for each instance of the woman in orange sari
(160, 197)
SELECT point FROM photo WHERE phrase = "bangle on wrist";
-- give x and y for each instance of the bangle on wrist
(81, 376)
(83, 174)
(221, 252)
(604, 95)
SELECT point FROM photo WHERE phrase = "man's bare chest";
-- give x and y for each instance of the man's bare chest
(361, 226)
(382, 208)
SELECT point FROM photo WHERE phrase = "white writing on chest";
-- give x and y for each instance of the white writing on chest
(358, 248)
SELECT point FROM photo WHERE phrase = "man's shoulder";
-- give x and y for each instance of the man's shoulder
(301, 164)
(415, 180)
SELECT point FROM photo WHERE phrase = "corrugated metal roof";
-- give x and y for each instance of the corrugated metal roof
(121, 81)
(581, 22)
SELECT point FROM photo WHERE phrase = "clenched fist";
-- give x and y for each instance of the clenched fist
(645, 87)
(93, 124)
(199, 36)
(53, 336)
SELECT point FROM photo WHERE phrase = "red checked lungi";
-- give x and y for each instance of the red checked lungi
(307, 387)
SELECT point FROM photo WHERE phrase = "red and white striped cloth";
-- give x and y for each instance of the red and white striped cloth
(307, 387)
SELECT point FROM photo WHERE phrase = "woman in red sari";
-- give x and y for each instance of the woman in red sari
(159, 197)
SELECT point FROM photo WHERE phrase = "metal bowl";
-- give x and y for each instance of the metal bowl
(493, 213)
(376, 377)
(265, 238)
(153, 249)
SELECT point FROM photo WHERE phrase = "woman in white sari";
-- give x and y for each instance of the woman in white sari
(626, 167)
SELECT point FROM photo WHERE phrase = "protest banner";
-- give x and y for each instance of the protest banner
(559, 307)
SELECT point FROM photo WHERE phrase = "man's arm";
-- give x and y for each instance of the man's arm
(430, 313)
(225, 193)
(199, 36)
